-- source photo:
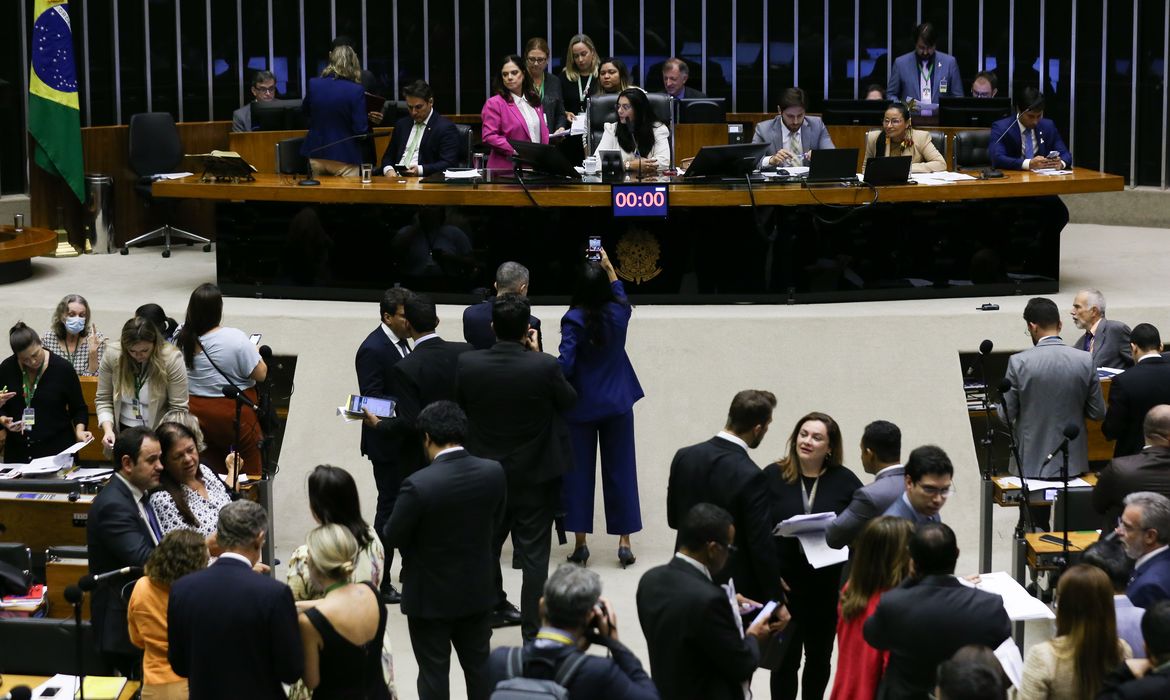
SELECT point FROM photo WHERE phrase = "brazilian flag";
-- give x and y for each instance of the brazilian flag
(54, 117)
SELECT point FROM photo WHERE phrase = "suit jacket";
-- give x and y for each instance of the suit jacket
(1131, 395)
(571, 91)
(375, 361)
(553, 101)
(813, 135)
(923, 622)
(246, 615)
(903, 80)
(242, 118)
(444, 523)
(1007, 151)
(868, 502)
(1120, 684)
(620, 676)
(1053, 386)
(1111, 346)
(901, 508)
(1151, 582)
(502, 121)
(924, 157)
(720, 472)
(689, 93)
(1148, 470)
(696, 650)
(477, 325)
(603, 376)
(335, 109)
(515, 400)
(438, 149)
(116, 536)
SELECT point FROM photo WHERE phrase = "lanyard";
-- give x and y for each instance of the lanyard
(809, 497)
(140, 379)
(541, 88)
(554, 637)
(31, 389)
(582, 92)
(928, 72)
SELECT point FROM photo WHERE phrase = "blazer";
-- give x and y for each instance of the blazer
(553, 101)
(720, 472)
(603, 376)
(660, 151)
(477, 326)
(696, 650)
(1051, 669)
(1111, 346)
(115, 536)
(164, 396)
(813, 135)
(923, 622)
(502, 121)
(438, 149)
(868, 502)
(620, 676)
(242, 118)
(252, 614)
(375, 361)
(1131, 395)
(444, 522)
(1148, 470)
(59, 404)
(1151, 582)
(514, 401)
(901, 508)
(903, 80)
(1007, 151)
(924, 157)
(689, 93)
(1120, 684)
(1053, 386)
(335, 109)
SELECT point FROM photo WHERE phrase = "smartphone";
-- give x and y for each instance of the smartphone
(255, 338)
(400, 169)
(381, 408)
(593, 252)
(1054, 154)
(765, 612)
(1052, 539)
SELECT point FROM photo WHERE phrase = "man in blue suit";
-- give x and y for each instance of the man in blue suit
(425, 142)
(1145, 529)
(881, 455)
(1025, 142)
(924, 74)
(928, 478)
(792, 135)
(511, 278)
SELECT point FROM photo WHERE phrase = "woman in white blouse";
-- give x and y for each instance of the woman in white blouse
(644, 141)
(191, 495)
(140, 380)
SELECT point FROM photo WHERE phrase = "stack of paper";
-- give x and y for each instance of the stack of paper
(942, 178)
(24, 605)
(1016, 602)
(809, 530)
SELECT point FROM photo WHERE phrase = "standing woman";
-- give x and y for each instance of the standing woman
(644, 142)
(514, 112)
(613, 76)
(141, 380)
(579, 76)
(47, 413)
(218, 356)
(548, 87)
(335, 106)
(809, 479)
(593, 359)
(73, 336)
(899, 138)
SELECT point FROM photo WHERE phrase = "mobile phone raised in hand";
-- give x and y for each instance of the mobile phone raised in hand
(593, 252)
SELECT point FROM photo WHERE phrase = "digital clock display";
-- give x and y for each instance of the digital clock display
(640, 200)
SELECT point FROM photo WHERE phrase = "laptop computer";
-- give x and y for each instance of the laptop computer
(889, 170)
(544, 158)
(832, 165)
(729, 161)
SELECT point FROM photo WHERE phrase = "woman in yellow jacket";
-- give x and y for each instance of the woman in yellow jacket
(899, 138)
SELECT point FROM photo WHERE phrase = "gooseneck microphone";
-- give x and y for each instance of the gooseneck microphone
(232, 392)
(1071, 431)
(984, 350)
(89, 582)
(20, 692)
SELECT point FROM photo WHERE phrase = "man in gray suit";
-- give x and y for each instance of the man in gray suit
(928, 483)
(263, 90)
(1053, 387)
(881, 455)
(792, 135)
(1107, 341)
(924, 74)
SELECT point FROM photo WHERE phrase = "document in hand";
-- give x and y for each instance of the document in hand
(811, 522)
(1016, 602)
(43, 466)
(810, 531)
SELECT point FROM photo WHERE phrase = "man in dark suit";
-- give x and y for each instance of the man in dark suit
(674, 80)
(881, 455)
(1148, 470)
(511, 278)
(1145, 528)
(233, 632)
(698, 649)
(425, 142)
(376, 357)
(1145, 679)
(1137, 390)
(444, 523)
(719, 471)
(924, 621)
(928, 477)
(515, 396)
(1107, 340)
(575, 616)
(924, 74)
(122, 530)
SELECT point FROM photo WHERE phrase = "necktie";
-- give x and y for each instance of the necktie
(403, 347)
(1029, 146)
(794, 145)
(151, 518)
(415, 137)
(1088, 341)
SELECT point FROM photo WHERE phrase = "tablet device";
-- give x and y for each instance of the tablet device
(383, 408)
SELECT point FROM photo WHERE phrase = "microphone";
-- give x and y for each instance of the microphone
(1005, 385)
(90, 582)
(309, 179)
(232, 392)
(73, 594)
(265, 354)
(20, 692)
(984, 350)
(1071, 431)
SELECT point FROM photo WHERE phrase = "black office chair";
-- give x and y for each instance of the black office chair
(466, 134)
(289, 160)
(939, 139)
(602, 109)
(17, 555)
(40, 646)
(155, 148)
(971, 149)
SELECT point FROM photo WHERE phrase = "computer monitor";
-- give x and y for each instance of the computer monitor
(277, 115)
(854, 112)
(973, 111)
(732, 160)
(544, 158)
(702, 110)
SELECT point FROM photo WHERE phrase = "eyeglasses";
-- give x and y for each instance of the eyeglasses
(731, 549)
(537, 61)
(624, 107)
(265, 90)
(891, 122)
(945, 492)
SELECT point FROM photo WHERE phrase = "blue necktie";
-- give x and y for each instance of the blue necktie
(151, 518)
(1029, 147)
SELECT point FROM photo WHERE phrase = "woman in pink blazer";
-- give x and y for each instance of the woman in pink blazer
(514, 112)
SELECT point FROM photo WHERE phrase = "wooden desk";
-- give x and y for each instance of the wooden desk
(1010, 496)
(12, 680)
(1041, 554)
(60, 573)
(17, 249)
(41, 520)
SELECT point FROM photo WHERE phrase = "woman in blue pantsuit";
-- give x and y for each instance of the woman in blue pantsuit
(593, 358)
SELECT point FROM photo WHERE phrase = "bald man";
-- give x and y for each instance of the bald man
(1148, 470)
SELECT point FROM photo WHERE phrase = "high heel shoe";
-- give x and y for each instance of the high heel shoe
(580, 556)
(626, 556)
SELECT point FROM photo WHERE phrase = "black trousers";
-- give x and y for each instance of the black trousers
(815, 626)
(529, 519)
(432, 640)
(388, 478)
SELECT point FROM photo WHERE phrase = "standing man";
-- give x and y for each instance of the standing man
(1145, 528)
(1137, 390)
(231, 631)
(720, 472)
(263, 90)
(511, 278)
(928, 478)
(792, 135)
(515, 397)
(1106, 340)
(881, 455)
(444, 522)
(925, 74)
(674, 80)
(376, 357)
(424, 142)
(1147, 470)
(122, 530)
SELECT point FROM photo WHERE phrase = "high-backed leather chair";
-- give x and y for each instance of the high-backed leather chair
(466, 134)
(603, 108)
(289, 160)
(971, 149)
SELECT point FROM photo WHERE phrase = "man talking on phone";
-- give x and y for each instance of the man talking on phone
(423, 143)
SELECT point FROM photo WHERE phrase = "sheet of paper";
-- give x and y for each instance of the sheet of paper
(462, 174)
(1017, 603)
(577, 126)
(1013, 482)
(789, 171)
(812, 522)
(171, 176)
(819, 553)
(347, 416)
(1052, 171)
(1009, 657)
(929, 179)
(89, 473)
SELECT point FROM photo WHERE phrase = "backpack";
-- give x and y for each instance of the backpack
(516, 687)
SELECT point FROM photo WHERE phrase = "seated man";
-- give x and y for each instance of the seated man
(792, 135)
(674, 80)
(1145, 529)
(1137, 679)
(263, 90)
(1027, 141)
(928, 485)
(1148, 470)
(425, 142)
(985, 85)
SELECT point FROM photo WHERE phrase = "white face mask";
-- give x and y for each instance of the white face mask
(75, 324)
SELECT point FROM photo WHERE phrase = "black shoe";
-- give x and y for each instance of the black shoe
(626, 556)
(390, 595)
(505, 615)
(580, 556)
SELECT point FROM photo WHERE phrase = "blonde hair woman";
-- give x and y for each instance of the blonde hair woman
(335, 106)
(579, 76)
(141, 379)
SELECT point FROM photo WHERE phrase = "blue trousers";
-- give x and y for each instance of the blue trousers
(619, 475)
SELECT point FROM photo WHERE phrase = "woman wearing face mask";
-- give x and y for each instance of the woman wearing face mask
(73, 336)
(142, 378)
(579, 76)
(642, 139)
(899, 138)
(514, 112)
